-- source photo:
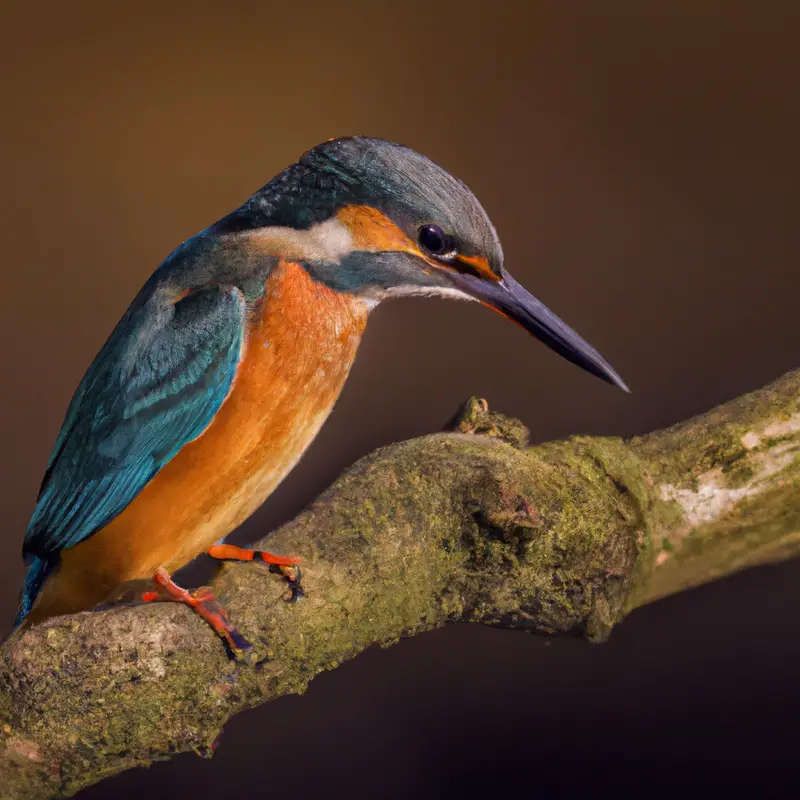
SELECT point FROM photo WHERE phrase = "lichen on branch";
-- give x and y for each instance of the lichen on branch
(467, 525)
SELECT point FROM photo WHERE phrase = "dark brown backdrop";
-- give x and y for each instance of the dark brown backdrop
(640, 162)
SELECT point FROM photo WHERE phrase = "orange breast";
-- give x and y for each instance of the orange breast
(298, 353)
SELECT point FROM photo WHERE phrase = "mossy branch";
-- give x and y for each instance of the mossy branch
(467, 525)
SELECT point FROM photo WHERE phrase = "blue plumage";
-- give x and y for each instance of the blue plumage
(156, 385)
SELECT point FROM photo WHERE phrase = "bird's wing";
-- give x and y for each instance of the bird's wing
(155, 386)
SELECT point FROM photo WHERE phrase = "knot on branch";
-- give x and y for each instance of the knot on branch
(552, 538)
(509, 518)
(475, 417)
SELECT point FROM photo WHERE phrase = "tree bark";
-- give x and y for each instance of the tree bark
(467, 525)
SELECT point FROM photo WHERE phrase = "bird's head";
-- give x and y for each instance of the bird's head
(376, 219)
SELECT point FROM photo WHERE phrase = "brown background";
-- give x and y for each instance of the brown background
(640, 161)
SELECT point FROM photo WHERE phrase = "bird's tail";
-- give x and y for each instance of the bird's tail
(38, 571)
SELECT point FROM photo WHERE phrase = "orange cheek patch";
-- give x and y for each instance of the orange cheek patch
(374, 232)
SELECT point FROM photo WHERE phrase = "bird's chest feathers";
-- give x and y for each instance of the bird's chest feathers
(301, 343)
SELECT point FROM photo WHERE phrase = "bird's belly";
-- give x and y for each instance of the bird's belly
(298, 355)
(191, 507)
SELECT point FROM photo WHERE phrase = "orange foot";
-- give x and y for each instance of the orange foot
(205, 604)
(288, 566)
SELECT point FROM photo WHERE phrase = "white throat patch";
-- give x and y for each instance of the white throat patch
(329, 241)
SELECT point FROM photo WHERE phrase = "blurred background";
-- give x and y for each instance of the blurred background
(640, 161)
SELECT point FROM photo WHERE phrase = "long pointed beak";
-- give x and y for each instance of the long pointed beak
(516, 303)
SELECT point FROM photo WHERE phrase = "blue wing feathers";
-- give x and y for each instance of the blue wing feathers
(155, 386)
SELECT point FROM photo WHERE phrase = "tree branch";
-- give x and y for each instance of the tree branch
(468, 525)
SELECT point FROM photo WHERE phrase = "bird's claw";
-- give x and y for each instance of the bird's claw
(293, 576)
(286, 566)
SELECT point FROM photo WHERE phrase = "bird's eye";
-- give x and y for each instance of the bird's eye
(435, 241)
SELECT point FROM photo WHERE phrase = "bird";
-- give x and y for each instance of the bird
(229, 360)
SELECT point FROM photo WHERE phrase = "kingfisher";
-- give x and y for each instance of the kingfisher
(229, 360)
